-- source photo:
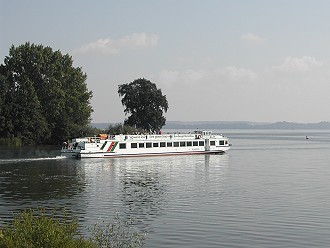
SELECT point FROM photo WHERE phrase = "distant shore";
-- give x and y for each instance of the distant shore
(234, 125)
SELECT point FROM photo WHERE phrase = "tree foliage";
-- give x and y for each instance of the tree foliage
(43, 98)
(145, 103)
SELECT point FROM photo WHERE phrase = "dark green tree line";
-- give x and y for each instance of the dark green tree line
(43, 98)
(145, 103)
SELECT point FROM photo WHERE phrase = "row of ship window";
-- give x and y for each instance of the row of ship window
(171, 144)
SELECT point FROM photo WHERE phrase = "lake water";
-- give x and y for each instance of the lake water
(272, 189)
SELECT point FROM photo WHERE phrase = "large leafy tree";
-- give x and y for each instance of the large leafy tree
(43, 98)
(145, 103)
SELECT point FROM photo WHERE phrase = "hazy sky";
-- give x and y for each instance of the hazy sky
(251, 60)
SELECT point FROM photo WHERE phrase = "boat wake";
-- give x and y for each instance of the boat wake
(18, 160)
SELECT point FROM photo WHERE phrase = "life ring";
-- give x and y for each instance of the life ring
(199, 136)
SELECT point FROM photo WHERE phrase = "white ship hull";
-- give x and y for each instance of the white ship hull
(146, 145)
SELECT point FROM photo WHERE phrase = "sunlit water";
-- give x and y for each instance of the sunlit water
(270, 190)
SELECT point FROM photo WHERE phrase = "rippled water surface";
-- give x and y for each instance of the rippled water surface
(270, 190)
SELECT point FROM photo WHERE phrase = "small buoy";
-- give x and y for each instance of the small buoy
(306, 137)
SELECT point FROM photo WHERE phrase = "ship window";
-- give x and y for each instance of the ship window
(189, 143)
(134, 145)
(169, 144)
(182, 143)
(212, 143)
(226, 142)
(176, 144)
(122, 146)
(221, 142)
(148, 145)
(141, 145)
(155, 144)
(195, 143)
(201, 143)
(162, 144)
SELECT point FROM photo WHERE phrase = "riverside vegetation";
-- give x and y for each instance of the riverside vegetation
(44, 99)
(31, 228)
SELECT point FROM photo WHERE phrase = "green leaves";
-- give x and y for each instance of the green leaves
(43, 98)
(31, 229)
(145, 104)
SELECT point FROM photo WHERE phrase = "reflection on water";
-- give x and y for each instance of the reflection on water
(94, 190)
(37, 183)
(269, 190)
(40, 182)
(28, 153)
(142, 191)
(141, 188)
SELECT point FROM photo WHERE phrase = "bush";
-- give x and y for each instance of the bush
(37, 230)
(31, 229)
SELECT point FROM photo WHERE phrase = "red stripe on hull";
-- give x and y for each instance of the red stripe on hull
(111, 145)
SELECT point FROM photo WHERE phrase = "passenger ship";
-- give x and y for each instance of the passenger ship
(198, 142)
